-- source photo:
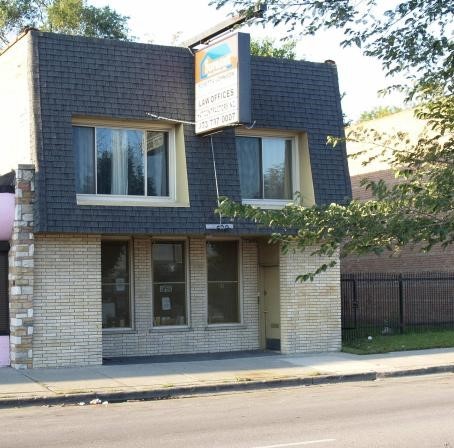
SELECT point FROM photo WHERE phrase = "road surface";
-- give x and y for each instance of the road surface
(408, 412)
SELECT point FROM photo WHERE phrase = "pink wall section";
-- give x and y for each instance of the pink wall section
(4, 351)
(6, 215)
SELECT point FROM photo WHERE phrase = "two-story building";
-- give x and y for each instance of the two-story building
(110, 254)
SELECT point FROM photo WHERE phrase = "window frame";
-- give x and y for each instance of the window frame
(271, 134)
(131, 328)
(187, 325)
(136, 200)
(240, 322)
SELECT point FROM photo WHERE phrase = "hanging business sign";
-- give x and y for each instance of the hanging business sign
(223, 84)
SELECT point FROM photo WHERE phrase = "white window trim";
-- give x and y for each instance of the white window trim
(227, 325)
(131, 328)
(170, 328)
(268, 203)
(127, 201)
(134, 200)
(276, 203)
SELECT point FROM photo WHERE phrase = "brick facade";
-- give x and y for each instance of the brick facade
(198, 337)
(67, 313)
(409, 258)
(310, 311)
(67, 301)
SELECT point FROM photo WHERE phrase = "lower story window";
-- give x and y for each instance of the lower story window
(169, 284)
(115, 284)
(223, 285)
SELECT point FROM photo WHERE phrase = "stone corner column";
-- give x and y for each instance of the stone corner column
(21, 265)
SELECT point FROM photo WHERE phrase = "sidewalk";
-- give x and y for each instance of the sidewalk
(170, 378)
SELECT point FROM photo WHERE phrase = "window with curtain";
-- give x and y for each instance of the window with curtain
(169, 283)
(265, 167)
(123, 162)
(223, 284)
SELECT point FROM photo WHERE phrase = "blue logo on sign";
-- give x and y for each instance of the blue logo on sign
(217, 59)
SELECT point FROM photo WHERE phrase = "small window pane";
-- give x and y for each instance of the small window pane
(223, 293)
(248, 152)
(115, 284)
(136, 184)
(222, 260)
(169, 304)
(120, 161)
(157, 164)
(169, 284)
(168, 262)
(223, 303)
(277, 168)
(84, 150)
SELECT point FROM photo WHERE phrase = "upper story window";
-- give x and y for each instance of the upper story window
(267, 168)
(123, 162)
(129, 163)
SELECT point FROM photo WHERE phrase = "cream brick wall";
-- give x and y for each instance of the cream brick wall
(67, 305)
(16, 106)
(198, 338)
(67, 301)
(310, 311)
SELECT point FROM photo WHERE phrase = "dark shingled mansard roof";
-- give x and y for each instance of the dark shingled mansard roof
(123, 80)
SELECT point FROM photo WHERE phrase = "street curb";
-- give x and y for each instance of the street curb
(187, 391)
(449, 368)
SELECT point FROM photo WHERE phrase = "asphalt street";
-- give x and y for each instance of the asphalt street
(406, 412)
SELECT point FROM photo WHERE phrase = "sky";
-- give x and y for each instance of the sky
(171, 21)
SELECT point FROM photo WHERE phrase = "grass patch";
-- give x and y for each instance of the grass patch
(398, 342)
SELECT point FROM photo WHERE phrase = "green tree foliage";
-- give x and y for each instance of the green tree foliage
(415, 40)
(268, 48)
(378, 112)
(63, 16)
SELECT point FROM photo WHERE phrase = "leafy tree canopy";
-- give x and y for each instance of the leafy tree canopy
(415, 40)
(63, 16)
(378, 112)
(267, 47)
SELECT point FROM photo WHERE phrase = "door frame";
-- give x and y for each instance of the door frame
(268, 343)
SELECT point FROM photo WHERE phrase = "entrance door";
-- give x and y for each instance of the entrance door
(271, 310)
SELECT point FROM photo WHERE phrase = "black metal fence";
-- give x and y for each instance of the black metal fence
(388, 303)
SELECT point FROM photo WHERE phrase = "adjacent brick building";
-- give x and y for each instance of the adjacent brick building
(111, 240)
(409, 258)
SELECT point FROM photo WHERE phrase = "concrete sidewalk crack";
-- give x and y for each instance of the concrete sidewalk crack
(23, 373)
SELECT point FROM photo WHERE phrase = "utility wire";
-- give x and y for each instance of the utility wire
(215, 176)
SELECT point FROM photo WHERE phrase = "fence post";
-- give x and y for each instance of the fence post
(401, 305)
(355, 302)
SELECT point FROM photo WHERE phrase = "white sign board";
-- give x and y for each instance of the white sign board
(222, 84)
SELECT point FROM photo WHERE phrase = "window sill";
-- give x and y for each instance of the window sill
(127, 201)
(169, 329)
(111, 331)
(267, 203)
(214, 327)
